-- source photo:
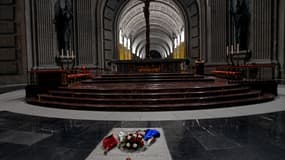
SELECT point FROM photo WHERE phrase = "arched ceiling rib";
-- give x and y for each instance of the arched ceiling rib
(162, 38)
(160, 24)
(155, 29)
(166, 21)
(158, 35)
(157, 18)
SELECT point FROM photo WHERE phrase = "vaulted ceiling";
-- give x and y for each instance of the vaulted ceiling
(166, 23)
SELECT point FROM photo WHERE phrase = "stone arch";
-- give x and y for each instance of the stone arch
(109, 10)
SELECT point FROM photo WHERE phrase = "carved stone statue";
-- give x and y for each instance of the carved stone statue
(63, 24)
(241, 17)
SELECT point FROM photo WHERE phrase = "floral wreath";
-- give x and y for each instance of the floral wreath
(131, 141)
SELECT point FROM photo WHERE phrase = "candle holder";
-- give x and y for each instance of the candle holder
(235, 55)
(66, 61)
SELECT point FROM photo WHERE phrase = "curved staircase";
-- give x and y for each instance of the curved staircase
(150, 92)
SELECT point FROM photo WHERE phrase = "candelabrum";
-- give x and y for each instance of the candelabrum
(66, 60)
(234, 55)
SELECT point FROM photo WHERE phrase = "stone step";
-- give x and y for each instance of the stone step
(150, 92)
(142, 95)
(147, 88)
(150, 75)
(145, 80)
(157, 107)
(150, 101)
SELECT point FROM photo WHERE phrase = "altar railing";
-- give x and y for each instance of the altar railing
(257, 76)
(249, 72)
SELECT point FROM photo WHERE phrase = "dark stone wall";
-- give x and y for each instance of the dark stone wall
(27, 36)
(94, 39)
(194, 28)
(12, 42)
(42, 36)
(262, 28)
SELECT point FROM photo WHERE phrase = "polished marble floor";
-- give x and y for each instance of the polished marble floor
(253, 132)
(260, 137)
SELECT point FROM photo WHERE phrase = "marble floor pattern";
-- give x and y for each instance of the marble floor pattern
(255, 132)
(259, 137)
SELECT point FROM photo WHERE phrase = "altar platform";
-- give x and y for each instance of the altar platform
(148, 66)
(150, 92)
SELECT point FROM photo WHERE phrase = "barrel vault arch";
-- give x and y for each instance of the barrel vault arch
(107, 33)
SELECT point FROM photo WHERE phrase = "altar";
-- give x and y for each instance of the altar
(148, 66)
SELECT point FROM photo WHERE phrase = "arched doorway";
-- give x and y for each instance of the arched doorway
(167, 25)
(154, 54)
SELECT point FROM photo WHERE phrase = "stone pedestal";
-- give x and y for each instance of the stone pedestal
(200, 67)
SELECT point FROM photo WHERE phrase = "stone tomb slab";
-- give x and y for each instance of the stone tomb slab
(157, 151)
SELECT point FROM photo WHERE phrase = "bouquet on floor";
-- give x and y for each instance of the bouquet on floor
(131, 141)
(135, 141)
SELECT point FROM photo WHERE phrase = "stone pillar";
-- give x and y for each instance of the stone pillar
(218, 20)
(281, 38)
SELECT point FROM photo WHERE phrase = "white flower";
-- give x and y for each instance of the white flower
(121, 139)
(129, 137)
(135, 145)
(128, 145)
(122, 134)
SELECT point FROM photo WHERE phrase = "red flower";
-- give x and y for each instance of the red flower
(109, 143)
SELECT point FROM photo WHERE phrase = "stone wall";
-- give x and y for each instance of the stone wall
(42, 43)
(12, 42)
(26, 26)
(262, 36)
(94, 38)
